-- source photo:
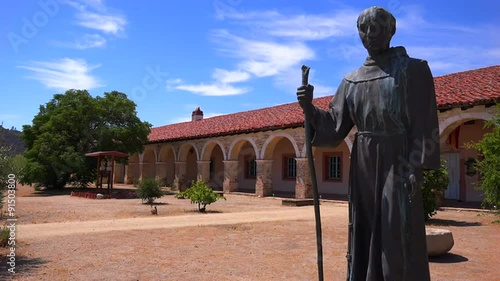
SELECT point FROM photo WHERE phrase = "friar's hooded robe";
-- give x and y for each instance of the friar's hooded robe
(391, 101)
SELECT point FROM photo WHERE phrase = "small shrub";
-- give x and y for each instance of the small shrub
(135, 182)
(435, 183)
(4, 236)
(149, 190)
(200, 194)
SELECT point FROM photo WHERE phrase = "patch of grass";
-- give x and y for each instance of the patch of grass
(496, 222)
(4, 236)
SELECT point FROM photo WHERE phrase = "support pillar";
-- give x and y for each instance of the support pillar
(303, 185)
(203, 171)
(264, 183)
(131, 169)
(125, 173)
(230, 176)
(180, 175)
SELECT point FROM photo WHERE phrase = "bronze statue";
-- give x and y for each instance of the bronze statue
(391, 101)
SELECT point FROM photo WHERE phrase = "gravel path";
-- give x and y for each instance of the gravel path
(29, 231)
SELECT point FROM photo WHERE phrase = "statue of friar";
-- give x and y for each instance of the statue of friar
(391, 101)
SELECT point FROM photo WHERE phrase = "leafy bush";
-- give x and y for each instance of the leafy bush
(200, 194)
(435, 183)
(4, 236)
(489, 166)
(148, 190)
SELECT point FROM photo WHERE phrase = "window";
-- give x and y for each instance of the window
(332, 166)
(250, 167)
(289, 167)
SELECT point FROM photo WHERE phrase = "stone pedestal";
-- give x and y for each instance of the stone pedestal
(303, 186)
(439, 241)
(203, 171)
(180, 175)
(230, 176)
(264, 183)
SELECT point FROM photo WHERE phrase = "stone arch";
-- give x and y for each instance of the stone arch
(166, 165)
(184, 150)
(164, 151)
(189, 154)
(212, 159)
(272, 140)
(242, 153)
(149, 162)
(451, 123)
(208, 147)
(238, 143)
(133, 170)
(280, 148)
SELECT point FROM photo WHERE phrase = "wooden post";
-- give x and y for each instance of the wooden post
(98, 171)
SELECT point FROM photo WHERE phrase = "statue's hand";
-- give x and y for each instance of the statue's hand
(305, 97)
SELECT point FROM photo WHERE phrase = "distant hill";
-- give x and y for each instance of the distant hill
(11, 138)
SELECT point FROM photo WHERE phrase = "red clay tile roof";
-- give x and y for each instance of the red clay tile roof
(468, 88)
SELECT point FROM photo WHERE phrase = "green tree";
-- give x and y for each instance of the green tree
(72, 124)
(201, 194)
(4, 171)
(489, 166)
(435, 183)
(149, 190)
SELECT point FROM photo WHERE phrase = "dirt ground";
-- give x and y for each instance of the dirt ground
(243, 238)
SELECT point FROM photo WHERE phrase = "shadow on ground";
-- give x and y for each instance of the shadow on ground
(23, 265)
(205, 212)
(448, 258)
(442, 222)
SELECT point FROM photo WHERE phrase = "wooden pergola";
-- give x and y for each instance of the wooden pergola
(105, 173)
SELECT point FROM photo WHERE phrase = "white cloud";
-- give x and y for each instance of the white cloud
(290, 80)
(225, 76)
(263, 58)
(305, 27)
(220, 87)
(87, 41)
(64, 74)
(212, 89)
(300, 26)
(113, 24)
(444, 60)
(94, 14)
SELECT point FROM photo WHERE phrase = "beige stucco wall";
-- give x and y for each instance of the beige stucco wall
(332, 187)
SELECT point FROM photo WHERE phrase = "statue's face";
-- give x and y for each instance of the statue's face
(375, 30)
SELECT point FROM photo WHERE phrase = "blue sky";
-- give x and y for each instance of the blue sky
(222, 55)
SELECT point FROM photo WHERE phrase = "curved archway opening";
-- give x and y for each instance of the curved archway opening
(149, 163)
(191, 165)
(166, 171)
(244, 153)
(455, 150)
(284, 166)
(216, 170)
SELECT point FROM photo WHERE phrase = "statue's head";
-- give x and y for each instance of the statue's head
(376, 26)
